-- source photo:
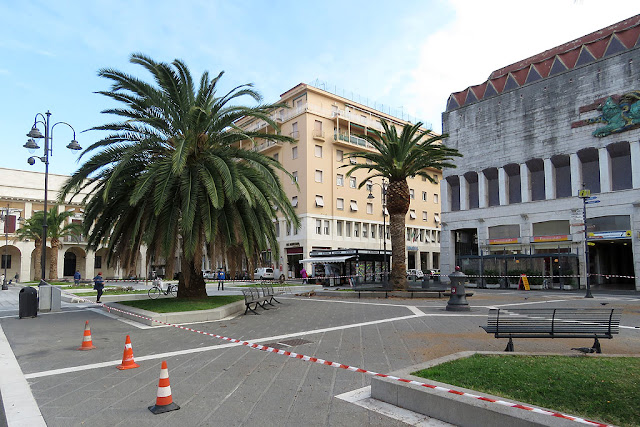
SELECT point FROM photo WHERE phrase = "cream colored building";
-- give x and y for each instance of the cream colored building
(334, 213)
(21, 194)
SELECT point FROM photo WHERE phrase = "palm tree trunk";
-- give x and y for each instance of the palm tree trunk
(398, 267)
(53, 263)
(38, 261)
(191, 283)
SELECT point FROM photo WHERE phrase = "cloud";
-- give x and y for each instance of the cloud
(486, 36)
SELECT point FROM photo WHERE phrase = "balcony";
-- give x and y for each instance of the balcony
(266, 145)
(318, 134)
(352, 139)
(295, 135)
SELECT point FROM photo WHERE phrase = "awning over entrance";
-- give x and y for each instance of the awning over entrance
(328, 259)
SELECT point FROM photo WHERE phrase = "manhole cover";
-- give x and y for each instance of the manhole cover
(294, 342)
(275, 345)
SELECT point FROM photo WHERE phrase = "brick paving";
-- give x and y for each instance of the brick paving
(236, 385)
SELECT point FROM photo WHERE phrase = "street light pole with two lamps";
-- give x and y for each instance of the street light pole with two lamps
(31, 145)
(383, 188)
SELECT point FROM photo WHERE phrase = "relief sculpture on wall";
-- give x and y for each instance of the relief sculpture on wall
(619, 116)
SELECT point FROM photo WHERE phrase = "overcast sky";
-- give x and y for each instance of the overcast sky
(406, 59)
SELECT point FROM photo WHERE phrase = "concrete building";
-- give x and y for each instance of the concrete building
(533, 135)
(334, 213)
(22, 194)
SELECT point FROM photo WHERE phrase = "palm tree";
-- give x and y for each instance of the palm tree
(396, 158)
(31, 229)
(170, 175)
(58, 228)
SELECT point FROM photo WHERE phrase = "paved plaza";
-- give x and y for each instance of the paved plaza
(219, 383)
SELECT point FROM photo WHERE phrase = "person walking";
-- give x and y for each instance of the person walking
(76, 278)
(220, 279)
(303, 273)
(98, 284)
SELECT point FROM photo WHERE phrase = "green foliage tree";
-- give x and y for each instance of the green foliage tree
(31, 229)
(397, 157)
(171, 176)
(59, 227)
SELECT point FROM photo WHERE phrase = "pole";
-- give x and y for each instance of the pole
(385, 283)
(46, 193)
(6, 245)
(586, 248)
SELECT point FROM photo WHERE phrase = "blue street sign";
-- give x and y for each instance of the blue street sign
(592, 198)
(592, 202)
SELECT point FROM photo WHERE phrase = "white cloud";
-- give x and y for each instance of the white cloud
(486, 36)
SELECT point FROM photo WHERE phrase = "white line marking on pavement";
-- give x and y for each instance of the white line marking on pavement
(362, 397)
(520, 303)
(20, 406)
(415, 310)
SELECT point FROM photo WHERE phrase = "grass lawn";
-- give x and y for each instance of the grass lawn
(275, 285)
(170, 305)
(599, 388)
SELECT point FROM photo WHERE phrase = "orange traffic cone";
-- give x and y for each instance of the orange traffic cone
(127, 356)
(87, 343)
(164, 401)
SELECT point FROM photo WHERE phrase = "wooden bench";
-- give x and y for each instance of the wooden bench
(252, 296)
(553, 323)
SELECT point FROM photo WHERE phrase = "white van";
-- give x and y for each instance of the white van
(208, 274)
(263, 273)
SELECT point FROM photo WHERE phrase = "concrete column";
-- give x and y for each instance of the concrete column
(447, 254)
(445, 201)
(549, 180)
(90, 265)
(28, 207)
(25, 265)
(605, 170)
(464, 194)
(483, 196)
(525, 183)
(635, 163)
(503, 185)
(576, 174)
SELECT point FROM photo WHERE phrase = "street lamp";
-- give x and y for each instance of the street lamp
(31, 145)
(585, 195)
(383, 188)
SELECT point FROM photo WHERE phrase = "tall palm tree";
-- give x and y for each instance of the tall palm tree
(396, 158)
(170, 175)
(31, 229)
(58, 227)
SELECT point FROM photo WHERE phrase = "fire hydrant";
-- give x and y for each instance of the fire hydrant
(458, 295)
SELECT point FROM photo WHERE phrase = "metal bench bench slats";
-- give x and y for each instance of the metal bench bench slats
(553, 323)
(259, 297)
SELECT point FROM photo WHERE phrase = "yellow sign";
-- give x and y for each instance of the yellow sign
(555, 238)
(584, 193)
(524, 281)
(507, 241)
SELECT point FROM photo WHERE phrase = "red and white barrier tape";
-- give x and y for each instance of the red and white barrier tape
(355, 369)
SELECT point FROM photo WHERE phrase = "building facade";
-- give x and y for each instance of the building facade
(533, 136)
(334, 213)
(22, 194)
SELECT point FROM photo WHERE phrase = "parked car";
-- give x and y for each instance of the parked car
(263, 273)
(415, 272)
(208, 274)
(433, 274)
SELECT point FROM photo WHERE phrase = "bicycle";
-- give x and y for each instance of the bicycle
(155, 291)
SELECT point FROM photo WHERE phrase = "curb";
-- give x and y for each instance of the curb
(175, 318)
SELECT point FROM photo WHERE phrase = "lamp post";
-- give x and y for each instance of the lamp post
(586, 195)
(383, 188)
(31, 145)
(6, 246)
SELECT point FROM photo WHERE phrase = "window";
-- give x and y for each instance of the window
(339, 228)
(318, 150)
(348, 229)
(412, 194)
(373, 231)
(318, 175)
(436, 217)
(352, 182)
(317, 127)
(339, 156)
(435, 178)
(340, 204)
(340, 180)
(318, 226)
(365, 230)
(354, 206)
(288, 228)
(295, 176)
(412, 213)
(275, 157)
(424, 215)
(319, 201)
(424, 178)
(98, 262)
(370, 208)
(294, 152)
(326, 227)
(356, 229)
(424, 196)
(277, 229)
(435, 198)
(294, 201)
(6, 262)
(294, 131)
(295, 231)
(381, 231)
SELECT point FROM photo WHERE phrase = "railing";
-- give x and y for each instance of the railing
(352, 139)
(318, 134)
(268, 143)
(295, 135)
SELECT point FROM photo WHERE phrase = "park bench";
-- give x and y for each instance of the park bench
(268, 291)
(554, 323)
(252, 296)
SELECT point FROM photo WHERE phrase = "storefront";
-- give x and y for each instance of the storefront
(347, 266)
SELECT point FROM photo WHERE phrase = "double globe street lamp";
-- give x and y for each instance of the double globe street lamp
(383, 187)
(31, 145)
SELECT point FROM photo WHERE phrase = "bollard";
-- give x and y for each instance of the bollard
(458, 295)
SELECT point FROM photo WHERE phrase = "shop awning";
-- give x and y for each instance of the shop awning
(328, 259)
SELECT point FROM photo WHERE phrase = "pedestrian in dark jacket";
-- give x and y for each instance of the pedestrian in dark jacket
(98, 284)
(220, 279)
